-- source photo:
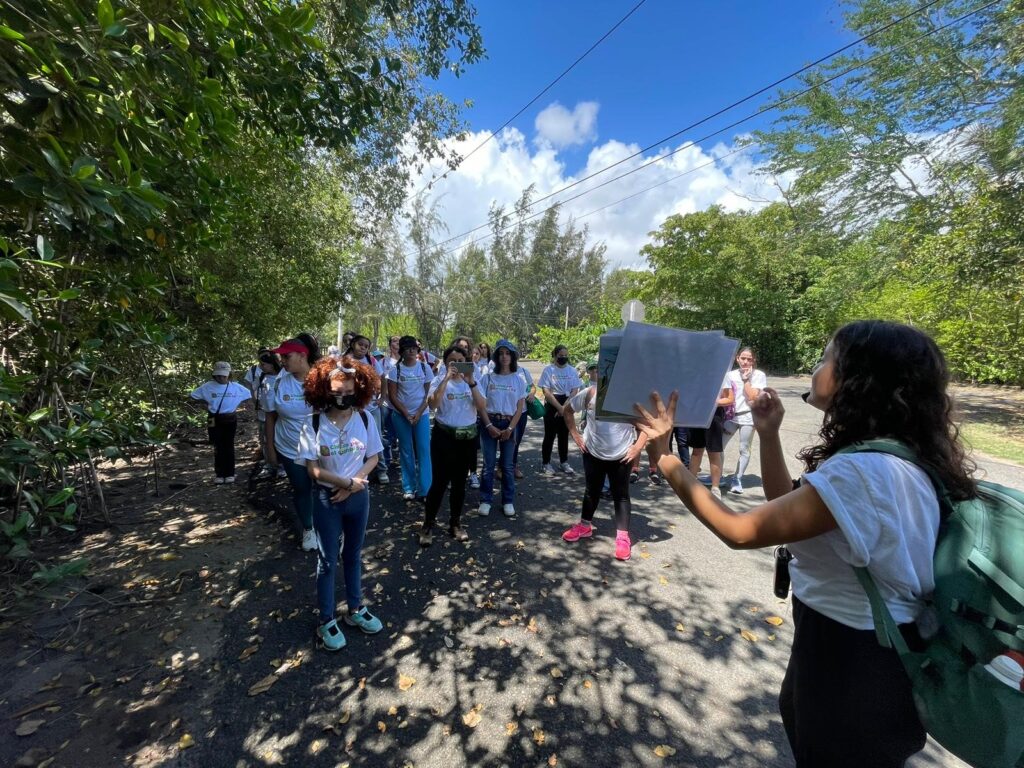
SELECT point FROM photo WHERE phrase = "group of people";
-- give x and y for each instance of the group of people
(845, 699)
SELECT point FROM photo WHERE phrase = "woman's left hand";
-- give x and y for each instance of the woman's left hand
(340, 494)
(657, 424)
(505, 434)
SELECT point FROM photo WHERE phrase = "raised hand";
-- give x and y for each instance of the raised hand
(657, 423)
(767, 411)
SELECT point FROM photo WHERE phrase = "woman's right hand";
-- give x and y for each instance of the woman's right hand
(578, 439)
(657, 423)
(452, 371)
(767, 411)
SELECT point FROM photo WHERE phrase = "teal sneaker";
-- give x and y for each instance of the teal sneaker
(365, 620)
(331, 636)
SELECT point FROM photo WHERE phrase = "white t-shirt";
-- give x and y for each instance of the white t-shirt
(233, 394)
(410, 382)
(263, 394)
(288, 401)
(735, 378)
(561, 381)
(526, 376)
(503, 391)
(483, 368)
(608, 440)
(251, 377)
(341, 451)
(888, 519)
(456, 408)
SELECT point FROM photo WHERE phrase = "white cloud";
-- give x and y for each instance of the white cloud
(499, 172)
(558, 127)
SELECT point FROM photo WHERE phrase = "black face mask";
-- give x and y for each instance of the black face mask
(344, 402)
(561, 360)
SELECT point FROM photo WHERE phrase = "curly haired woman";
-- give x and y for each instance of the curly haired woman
(340, 445)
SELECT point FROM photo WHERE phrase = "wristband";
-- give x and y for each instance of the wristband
(488, 425)
(471, 384)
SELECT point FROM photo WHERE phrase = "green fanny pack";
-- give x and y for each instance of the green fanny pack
(459, 433)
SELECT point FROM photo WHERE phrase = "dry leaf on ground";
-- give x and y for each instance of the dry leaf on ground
(664, 750)
(680, 627)
(746, 634)
(263, 685)
(382, 726)
(472, 718)
(511, 728)
(185, 741)
(344, 717)
(538, 736)
(663, 581)
(405, 682)
(775, 621)
(28, 727)
(556, 672)
(553, 761)
(248, 652)
(587, 684)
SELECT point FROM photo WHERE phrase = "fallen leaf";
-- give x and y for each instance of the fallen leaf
(382, 726)
(511, 728)
(169, 635)
(168, 556)
(393, 710)
(449, 642)
(263, 685)
(556, 672)
(553, 761)
(344, 717)
(746, 634)
(532, 626)
(28, 727)
(362, 683)
(775, 621)
(664, 750)
(472, 718)
(248, 652)
(185, 741)
(317, 746)
(538, 736)
(662, 580)
(405, 682)
(680, 627)
(645, 555)
(587, 684)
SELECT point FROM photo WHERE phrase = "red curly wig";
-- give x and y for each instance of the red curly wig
(317, 387)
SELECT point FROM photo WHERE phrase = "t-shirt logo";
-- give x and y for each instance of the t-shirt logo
(286, 398)
(342, 449)
(457, 395)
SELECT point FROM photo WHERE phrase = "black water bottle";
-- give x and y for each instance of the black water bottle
(782, 558)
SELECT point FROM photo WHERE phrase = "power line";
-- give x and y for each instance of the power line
(734, 124)
(530, 103)
(723, 110)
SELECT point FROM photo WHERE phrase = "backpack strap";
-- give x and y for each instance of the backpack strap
(366, 420)
(316, 422)
(888, 632)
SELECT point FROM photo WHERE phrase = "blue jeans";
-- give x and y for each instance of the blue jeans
(682, 444)
(387, 433)
(335, 521)
(520, 431)
(507, 448)
(413, 448)
(302, 489)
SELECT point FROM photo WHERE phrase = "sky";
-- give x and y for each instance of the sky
(670, 64)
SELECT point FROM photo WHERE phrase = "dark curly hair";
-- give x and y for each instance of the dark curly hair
(317, 387)
(891, 381)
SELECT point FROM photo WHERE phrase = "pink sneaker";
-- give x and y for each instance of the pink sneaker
(578, 531)
(622, 545)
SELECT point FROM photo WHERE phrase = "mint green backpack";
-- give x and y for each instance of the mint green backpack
(979, 601)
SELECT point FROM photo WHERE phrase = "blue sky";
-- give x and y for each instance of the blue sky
(668, 65)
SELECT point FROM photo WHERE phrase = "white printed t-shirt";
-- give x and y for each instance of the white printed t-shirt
(888, 519)
(341, 451)
(735, 380)
(503, 391)
(266, 384)
(456, 408)
(410, 380)
(378, 368)
(221, 398)
(608, 440)
(561, 381)
(288, 401)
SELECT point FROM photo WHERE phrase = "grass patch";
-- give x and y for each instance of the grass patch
(995, 440)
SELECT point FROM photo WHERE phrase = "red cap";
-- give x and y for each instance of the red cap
(291, 346)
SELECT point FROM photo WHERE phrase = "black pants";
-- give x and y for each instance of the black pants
(450, 460)
(222, 436)
(595, 470)
(555, 426)
(846, 701)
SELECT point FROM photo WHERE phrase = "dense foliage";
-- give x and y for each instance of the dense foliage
(176, 187)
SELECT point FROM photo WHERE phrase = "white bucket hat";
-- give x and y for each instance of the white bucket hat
(222, 369)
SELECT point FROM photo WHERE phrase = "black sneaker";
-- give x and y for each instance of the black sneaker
(634, 477)
(655, 478)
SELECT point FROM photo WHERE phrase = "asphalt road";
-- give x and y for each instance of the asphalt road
(519, 649)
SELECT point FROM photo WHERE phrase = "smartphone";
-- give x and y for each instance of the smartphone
(464, 368)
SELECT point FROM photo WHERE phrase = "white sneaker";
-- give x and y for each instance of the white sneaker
(509, 510)
(566, 467)
(716, 492)
(474, 480)
(484, 509)
(382, 476)
(229, 480)
(547, 469)
(409, 496)
(309, 540)
(737, 488)
(218, 481)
